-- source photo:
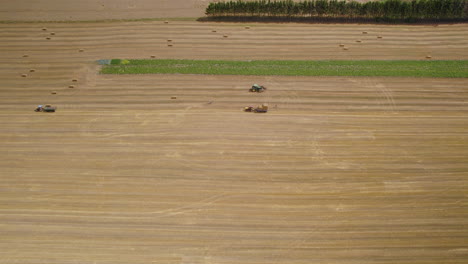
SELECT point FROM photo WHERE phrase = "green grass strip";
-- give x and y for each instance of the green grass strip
(400, 68)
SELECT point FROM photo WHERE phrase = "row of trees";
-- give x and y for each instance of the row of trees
(391, 9)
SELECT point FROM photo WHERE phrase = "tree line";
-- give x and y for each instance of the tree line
(386, 9)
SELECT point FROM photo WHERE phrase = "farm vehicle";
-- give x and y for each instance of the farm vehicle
(46, 108)
(259, 109)
(257, 88)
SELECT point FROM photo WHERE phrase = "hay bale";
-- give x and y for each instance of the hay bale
(364, 32)
(173, 97)
(358, 41)
(341, 45)
(71, 86)
(52, 33)
(169, 40)
(32, 70)
(214, 31)
(81, 50)
(44, 29)
(25, 55)
(74, 80)
(247, 27)
(428, 57)
(152, 56)
(169, 45)
(53, 92)
(48, 38)
(166, 22)
(379, 37)
(24, 75)
(225, 36)
(345, 48)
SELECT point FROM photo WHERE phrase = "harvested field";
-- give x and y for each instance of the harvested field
(340, 170)
(59, 10)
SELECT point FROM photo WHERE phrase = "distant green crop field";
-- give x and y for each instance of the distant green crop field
(400, 68)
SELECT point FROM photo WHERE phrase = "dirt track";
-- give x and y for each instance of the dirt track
(341, 170)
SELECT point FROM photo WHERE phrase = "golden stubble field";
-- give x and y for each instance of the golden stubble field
(341, 170)
(66, 10)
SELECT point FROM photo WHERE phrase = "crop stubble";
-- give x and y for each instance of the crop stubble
(341, 170)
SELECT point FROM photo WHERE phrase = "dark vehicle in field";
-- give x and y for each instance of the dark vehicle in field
(45, 108)
(257, 88)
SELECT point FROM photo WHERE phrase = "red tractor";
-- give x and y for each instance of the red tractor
(259, 109)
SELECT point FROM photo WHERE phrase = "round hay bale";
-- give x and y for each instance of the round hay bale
(428, 57)
(52, 33)
(358, 41)
(71, 86)
(32, 70)
(44, 29)
(81, 50)
(379, 37)
(152, 56)
(74, 80)
(169, 40)
(169, 45)
(48, 38)
(364, 32)
(166, 22)
(24, 75)
(53, 92)
(225, 36)
(341, 45)
(173, 97)
(25, 55)
(214, 31)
